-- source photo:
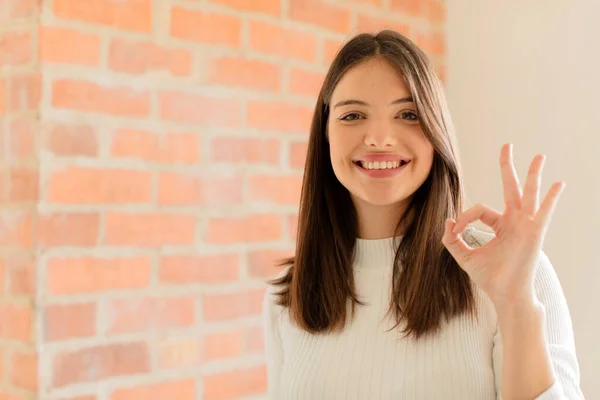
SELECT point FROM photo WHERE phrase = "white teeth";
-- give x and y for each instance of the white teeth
(380, 165)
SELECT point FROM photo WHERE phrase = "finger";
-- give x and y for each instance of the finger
(531, 193)
(455, 244)
(480, 212)
(510, 182)
(546, 210)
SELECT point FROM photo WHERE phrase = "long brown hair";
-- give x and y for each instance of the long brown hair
(320, 280)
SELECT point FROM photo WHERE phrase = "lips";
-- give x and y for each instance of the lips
(380, 164)
(379, 172)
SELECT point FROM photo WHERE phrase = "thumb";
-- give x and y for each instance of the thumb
(455, 244)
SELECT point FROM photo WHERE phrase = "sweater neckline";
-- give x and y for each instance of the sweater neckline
(376, 254)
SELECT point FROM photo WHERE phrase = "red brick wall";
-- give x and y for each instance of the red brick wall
(152, 154)
(20, 88)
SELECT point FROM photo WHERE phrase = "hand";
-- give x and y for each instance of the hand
(504, 268)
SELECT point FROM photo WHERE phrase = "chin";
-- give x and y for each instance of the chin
(381, 200)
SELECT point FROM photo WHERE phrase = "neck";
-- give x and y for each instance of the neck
(378, 222)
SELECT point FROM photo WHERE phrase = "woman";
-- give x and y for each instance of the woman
(391, 293)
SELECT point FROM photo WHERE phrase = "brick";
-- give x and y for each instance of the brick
(88, 96)
(24, 185)
(3, 274)
(21, 137)
(15, 48)
(275, 40)
(268, 7)
(231, 306)
(432, 42)
(331, 48)
(245, 73)
(16, 322)
(180, 390)
(320, 14)
(436, 11)
(234, 384)
(6, 395)
(275, 189)
(260, 116)
(21, 275)
(233, 150)
(292, 223)
(262, 263)
(298, 151)
(89, 275)
(255, 340)
(305, 83)
(126, 229)
(203, 110)
(253, 228)
(413, 8)
(23, 369)
(83, 48)
(90, 397)
(23, 8)
(3, 96)
(4, 183)
(373, 3)
(25, 92)
(369, 23)
(222, 345)
(137, 57)
(69, 229)
(88, 185)
(100, 362)
(70, 321)
(70, 140)
(217, 29)
(133, 15)
(147, 314)
(207, 269)
(169, 148)
(179, 352)
(16, 229)
(186, 189)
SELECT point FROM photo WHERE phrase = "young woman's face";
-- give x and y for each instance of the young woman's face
(377, 147)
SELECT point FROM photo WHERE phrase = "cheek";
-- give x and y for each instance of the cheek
(338, 148)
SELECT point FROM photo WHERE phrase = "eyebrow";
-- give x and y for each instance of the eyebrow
(362, 103)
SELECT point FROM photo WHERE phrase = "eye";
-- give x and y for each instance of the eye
(350, 117)
(409, 115)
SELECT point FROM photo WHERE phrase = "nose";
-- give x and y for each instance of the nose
(380, 135)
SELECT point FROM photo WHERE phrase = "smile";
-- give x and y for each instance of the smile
(381, 164)
(381, 169)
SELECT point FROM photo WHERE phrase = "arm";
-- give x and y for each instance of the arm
(534, 348)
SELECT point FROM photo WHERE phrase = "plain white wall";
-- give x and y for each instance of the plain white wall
(529, 73)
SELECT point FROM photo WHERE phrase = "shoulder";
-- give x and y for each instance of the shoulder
(271, 294)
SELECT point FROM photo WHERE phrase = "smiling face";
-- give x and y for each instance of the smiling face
(373, 128)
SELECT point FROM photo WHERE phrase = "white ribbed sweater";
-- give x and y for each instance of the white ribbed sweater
(366, 363)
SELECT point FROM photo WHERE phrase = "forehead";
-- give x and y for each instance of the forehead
(372, 80)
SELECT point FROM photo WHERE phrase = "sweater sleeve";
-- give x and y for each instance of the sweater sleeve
(559, 333)
(273, 344)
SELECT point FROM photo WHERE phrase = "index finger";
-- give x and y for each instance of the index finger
(510, 182)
